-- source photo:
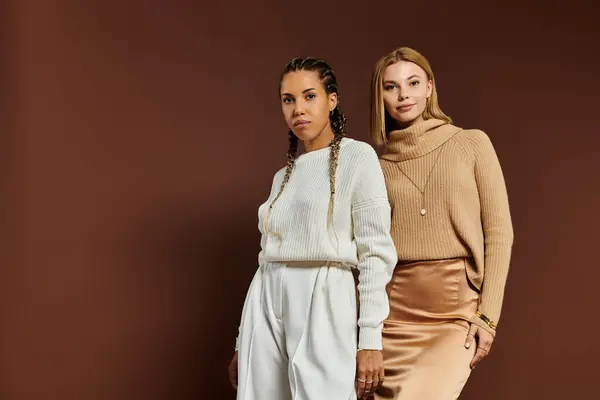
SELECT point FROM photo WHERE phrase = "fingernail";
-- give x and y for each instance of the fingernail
(467, 345)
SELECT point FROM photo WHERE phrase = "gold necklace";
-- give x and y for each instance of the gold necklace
(423, 209)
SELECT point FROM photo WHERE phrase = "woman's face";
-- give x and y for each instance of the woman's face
(305, 104)
(406, 89)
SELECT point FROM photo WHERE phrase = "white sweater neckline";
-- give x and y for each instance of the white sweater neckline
(325, 149)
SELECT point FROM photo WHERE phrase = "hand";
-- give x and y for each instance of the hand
(233, 371)
(484, 343)
(370, 372)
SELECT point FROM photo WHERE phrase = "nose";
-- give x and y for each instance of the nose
(401, 96)
(299, 108)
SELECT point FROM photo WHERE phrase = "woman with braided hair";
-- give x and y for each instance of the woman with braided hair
(306, 332)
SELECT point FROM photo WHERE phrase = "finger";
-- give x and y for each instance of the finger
(381, 381)
(380, 377)
(470, 336)
(368, 386)
(375, 383)
(485, 341)
(233, 378)
(360, 386)
(488, 338)
(233, 372)
(372, 381)
(479, 354)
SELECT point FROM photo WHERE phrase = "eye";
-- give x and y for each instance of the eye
(414, 83)
(310, 96)
(287, 100)
(388, 86)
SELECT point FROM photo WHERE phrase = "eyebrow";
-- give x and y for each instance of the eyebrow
(409, 78)
(304, 91)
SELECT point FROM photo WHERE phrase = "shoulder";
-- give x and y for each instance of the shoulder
(358, 150)
(473, 137)
(362, 163)
(474, 141)
(478, 144)
(278, 177)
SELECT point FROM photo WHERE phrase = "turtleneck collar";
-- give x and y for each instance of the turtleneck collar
(418, 140)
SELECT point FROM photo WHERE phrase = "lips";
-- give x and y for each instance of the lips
(300, 123)
(405, 107)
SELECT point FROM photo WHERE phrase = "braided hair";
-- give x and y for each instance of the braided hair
(336, 117)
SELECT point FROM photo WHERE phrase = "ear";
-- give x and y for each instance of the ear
(333, 101)
(429, 88)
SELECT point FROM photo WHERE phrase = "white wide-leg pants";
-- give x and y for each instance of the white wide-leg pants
(298, 335)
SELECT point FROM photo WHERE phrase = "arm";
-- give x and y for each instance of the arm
(497, 229)
(277, 179)
(377, 255)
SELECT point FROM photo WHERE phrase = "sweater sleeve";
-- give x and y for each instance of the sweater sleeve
(377, 257)
(497, 228)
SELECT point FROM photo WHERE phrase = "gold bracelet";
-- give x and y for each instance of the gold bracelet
(485, 319)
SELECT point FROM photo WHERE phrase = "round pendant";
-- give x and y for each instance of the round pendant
(423, 211)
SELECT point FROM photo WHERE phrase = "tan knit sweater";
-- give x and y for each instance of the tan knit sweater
(467, 211)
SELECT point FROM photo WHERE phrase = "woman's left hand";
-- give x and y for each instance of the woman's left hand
(484, 343)
(369, 376)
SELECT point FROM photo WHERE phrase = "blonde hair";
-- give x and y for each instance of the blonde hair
(379, 115)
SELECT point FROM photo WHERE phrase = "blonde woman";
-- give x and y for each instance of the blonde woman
(301, 336)
(452, 230)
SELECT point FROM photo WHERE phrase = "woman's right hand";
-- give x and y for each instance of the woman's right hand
(233, 371)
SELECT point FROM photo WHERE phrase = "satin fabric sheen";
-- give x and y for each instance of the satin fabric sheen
(424, 335)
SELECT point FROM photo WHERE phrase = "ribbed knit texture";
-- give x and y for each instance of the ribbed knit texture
(360, 233)
(466, 201)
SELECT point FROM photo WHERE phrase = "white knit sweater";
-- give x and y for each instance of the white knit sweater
(298, 228)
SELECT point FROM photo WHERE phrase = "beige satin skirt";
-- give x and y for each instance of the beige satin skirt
(424, 335)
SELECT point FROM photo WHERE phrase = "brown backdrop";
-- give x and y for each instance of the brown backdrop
(139, 138)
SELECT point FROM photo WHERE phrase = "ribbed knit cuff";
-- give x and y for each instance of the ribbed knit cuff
(370, 339)
(479, 322)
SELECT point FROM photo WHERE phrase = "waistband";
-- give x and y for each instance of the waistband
(436, 261)
(314, 264)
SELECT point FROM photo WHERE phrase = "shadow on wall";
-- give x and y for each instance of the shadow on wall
(196, 270)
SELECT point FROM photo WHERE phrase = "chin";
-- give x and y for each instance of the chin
(405, 118)
(306, 134)
(303, 135)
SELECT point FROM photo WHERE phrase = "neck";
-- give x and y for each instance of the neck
(418, 139)
(320, 141)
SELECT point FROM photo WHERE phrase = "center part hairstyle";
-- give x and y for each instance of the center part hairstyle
(381, 122)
